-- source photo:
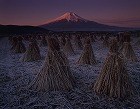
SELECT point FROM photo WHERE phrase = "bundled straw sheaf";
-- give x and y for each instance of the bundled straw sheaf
(55, 73)
(68, 50)
(20, 47)
(106, 41)
(113, 79)
(101, 38)
(32, 53)
(127, 49)
(138, 42)
(14, 43)
(77, 43)
(43, 42)
(87, 56)
(62, 41)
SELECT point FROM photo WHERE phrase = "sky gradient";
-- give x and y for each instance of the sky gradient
(36, 12)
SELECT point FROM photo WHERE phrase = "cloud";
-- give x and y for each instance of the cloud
(131, 22)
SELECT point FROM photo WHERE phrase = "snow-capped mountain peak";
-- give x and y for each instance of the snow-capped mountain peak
(72, 22)
(69, 16)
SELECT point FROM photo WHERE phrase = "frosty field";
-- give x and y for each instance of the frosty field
(15, 77)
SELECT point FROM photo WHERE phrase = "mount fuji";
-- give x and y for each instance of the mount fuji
(72, 22)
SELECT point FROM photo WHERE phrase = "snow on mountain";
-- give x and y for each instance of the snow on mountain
(69, 16)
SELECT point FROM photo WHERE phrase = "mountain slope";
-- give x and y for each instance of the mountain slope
(14, 29)
(72, 22)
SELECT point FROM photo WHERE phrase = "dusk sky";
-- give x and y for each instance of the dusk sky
(36, 12)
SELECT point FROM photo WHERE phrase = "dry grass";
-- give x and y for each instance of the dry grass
(138, 42)
(128, 52)
(106, 43)
(55, 73)
(87, 56)
(43, 42)
(68, 50)
(77, 43)
(101, 38)
(14, 43)
(113, 79)
(32, 53)
(62, 41)
(20, 47)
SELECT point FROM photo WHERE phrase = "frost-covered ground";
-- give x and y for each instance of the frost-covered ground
(15, 76)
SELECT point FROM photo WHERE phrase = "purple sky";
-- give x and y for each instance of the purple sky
(36, 12)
